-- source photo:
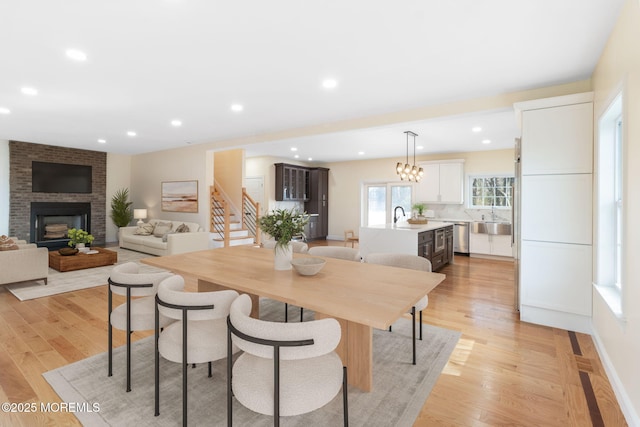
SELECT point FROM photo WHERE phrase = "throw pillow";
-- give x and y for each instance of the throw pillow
(144, 230)
(162, 228)
(164, 238)
(184, 228)
(7, 244)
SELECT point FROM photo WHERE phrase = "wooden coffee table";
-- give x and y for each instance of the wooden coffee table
(80, 261)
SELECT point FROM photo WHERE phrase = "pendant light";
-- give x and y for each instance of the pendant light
(407, 171)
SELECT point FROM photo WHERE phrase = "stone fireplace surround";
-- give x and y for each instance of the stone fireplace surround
(21, 154)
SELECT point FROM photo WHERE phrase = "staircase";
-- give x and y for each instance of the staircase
(226, 228)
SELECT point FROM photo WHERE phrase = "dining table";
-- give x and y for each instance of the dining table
(359, 295)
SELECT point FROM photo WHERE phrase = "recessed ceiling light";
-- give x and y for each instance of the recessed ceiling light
(237, 107)
(29, 91)
(294, 149)
(476, 129)
(309, 159)
(131, 133)
(329, 83)
(4, 110)
(486, 141)
(296, 156)
(176, 123)
(102, 141)
(360, 153)
(419, 147)
(76, 55)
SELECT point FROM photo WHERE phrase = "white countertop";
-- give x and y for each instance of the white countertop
(406, 227)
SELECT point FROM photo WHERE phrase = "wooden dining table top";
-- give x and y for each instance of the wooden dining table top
(369, 294)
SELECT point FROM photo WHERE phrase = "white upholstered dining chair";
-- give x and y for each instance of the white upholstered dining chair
(350, 254)
(285, 369)
(413, 262)
(201, 318)
(137, 312)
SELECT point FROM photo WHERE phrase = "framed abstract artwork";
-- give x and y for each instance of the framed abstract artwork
(180, 196)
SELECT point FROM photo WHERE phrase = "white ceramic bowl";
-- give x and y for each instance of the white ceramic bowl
(308, 266)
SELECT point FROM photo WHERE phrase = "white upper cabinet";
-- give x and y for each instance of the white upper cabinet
(442, 182)
(558, 139)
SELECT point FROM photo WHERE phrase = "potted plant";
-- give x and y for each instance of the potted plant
(420, 207)
(121, 211)
(78, 238)
(283, 225)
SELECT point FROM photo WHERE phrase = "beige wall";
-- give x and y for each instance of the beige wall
(149, 170)
(228, 169)
(619, 339)
(346, 180)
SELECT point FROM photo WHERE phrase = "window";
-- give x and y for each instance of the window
(491, 191)
(610, 229)
(617, 190)
(381, 199)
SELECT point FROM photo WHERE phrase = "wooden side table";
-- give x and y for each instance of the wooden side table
(81, 261)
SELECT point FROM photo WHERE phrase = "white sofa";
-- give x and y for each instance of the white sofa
(29, 262)
(195, 239)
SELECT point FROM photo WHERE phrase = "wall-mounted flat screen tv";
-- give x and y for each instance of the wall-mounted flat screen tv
(60, 178)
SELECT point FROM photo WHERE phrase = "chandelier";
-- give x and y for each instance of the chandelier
(407, 171)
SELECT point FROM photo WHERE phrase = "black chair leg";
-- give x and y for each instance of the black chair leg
(210, 373)
(301, 311)
(128, 339)
(413, 336)
(286, 313)
(110, 335)
(389, 328)
(420, 325)
(345, 404)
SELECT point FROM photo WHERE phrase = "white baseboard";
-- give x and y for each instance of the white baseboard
(556, 319)
(630, 415)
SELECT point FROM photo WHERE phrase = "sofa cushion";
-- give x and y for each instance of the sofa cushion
(182, 228)
(144, 230)
(7, 244)
(162, 228)
(137, 240)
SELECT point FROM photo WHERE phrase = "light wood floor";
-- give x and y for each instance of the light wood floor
(502, 372)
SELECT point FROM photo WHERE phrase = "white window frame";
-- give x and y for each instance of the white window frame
(470, 179)
(388, 207)
(610, 248)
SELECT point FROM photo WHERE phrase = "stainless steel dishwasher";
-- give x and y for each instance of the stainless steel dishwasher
(461, 237)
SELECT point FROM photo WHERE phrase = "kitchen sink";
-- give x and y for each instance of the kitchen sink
(488, 227)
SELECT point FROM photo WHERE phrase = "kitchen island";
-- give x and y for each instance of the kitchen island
(433, 240)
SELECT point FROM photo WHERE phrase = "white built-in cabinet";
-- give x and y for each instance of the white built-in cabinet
(442, 182)
(555, 274)
(490, 244)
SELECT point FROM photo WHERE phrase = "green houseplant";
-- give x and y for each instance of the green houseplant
(121, 211)
(78, 236)
(420, 207)
(283, 225)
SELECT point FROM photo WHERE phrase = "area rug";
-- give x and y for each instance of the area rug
(74, 280)
(399, 390)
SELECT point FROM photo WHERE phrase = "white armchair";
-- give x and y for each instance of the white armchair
(28, 262)
(201, 317)
(137, 312)
(287, 368)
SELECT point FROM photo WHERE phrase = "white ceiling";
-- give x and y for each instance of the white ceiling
(152, 61)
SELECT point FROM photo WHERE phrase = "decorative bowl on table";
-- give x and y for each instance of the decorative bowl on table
(308, 266)
(67, 251)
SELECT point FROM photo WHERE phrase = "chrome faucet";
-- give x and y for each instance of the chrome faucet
(395, 217)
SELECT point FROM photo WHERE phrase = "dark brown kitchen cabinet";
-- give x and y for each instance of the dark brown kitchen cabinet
(318, 202)
(292, 182)
(437, 246)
